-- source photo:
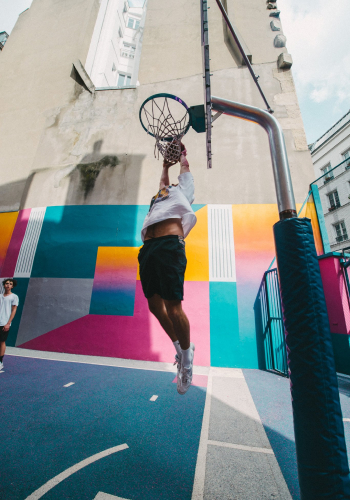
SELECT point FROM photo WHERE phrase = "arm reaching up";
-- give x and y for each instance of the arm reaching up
(184, 165)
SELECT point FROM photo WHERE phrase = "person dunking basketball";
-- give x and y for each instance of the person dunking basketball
(162, 260)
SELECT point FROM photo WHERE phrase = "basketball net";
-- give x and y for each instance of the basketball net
(167, 131)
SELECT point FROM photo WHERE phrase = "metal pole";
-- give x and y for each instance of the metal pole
(206, 77)
(244, 55)
(280, 165)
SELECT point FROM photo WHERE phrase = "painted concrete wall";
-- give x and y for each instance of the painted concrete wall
(82, 172)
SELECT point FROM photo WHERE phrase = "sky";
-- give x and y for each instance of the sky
(318, 38)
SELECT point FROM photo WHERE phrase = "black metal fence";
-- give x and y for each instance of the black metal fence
(272, 324)
(345, 263)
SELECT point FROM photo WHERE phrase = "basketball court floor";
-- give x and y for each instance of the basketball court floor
(82, 427)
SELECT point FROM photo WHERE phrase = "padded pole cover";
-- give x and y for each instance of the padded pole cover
(318, 424)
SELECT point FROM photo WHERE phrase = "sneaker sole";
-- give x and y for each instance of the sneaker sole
(183, 393)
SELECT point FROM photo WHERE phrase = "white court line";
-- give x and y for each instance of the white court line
(241, 447)
(199, 478)
(153, 398)
(100, 360)
(106, 496)
(68, 385)
(68, 472)
(346, 419)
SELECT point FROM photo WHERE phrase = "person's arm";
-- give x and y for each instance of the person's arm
(164, 178)
(13, 312)
(184, 165)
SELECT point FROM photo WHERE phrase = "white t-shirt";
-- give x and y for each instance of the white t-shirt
(173, 202)
(6, 303)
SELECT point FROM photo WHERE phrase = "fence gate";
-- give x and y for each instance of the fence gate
(272, 322)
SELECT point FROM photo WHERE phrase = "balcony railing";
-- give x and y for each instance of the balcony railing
(328, 178)
(130, 54)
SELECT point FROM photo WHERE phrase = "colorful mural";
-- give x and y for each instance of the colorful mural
(80, 290)
(7, 225)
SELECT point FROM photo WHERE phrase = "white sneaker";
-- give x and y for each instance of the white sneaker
(184, 379)
(1, 366)
(178, 363)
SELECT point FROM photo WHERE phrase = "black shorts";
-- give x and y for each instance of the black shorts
(3, 335)
(162, 267)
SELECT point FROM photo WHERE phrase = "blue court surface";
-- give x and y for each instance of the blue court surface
(48, 428)
(271, 395)
(85, 431)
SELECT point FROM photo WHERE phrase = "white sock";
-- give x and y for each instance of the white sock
(187, 357)
(177, 347)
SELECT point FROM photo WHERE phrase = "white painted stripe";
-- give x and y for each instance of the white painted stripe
(29, 244)
(154, 398)
(68, 472)
(68, 385)
(222, 264)
(100, 361)
(199, 478)
(105, 496)
(346, 419)
(241, 447)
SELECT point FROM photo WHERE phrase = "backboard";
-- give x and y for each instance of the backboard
(206, 76)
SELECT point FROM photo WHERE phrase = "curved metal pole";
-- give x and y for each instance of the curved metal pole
(280, 165)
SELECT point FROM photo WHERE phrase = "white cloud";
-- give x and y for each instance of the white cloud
(318, 37)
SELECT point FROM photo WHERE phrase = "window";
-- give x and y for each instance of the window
(120, 33)
(114, 68)
(340, 232)
(346, 156)
(333, 200)
(133, 23)
(124, 80)
(328, 176)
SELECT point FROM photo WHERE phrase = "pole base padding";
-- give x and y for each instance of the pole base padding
(318, 424)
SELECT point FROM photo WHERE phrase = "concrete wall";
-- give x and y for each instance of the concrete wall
(82, 171)
(35, 69)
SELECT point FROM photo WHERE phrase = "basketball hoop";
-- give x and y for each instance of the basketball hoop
(165, 117)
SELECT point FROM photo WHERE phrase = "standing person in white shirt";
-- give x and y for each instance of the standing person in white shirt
(8, 307)
(163, 262)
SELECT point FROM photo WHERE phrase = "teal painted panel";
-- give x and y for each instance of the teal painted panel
(195, 207)
(21, 291)
(71, 235)
(248, 352)
(224, 329)
(320, 217)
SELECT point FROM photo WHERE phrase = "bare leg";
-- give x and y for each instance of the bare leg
(180, 322)
(157, 307)
(2, 348)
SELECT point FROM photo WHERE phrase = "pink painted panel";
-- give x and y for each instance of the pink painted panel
(9, 266)
(137, 337)
(336, 295)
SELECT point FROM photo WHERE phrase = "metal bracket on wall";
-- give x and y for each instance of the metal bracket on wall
(80, 76)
